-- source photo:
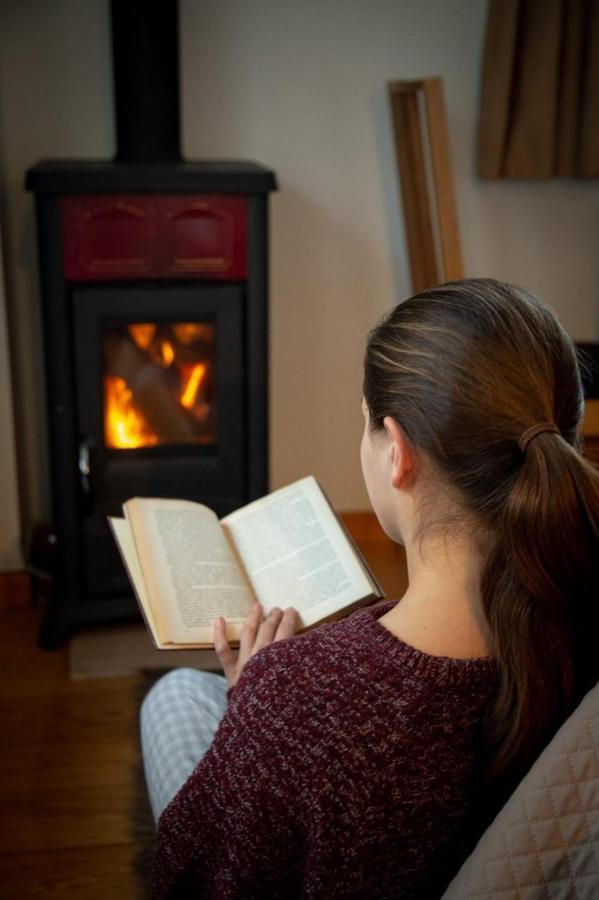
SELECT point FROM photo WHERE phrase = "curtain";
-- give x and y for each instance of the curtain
(539, 101)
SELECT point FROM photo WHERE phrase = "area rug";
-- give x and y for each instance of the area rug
(119, 650)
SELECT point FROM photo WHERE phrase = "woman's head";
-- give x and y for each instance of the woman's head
(464, 369)
(460, 371)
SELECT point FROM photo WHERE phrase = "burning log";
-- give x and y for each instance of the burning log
(152, 391)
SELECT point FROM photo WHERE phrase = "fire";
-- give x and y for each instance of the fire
(192, 385)
(124, 426)
(167, 353)
(142, 333)
(154, 384)
(188, 332)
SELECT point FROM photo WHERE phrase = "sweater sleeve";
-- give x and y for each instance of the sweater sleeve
(231, 831)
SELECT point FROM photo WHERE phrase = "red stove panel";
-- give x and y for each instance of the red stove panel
(108, 237)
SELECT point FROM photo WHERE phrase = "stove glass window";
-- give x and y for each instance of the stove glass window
(158, 384)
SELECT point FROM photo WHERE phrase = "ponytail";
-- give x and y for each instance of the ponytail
(539, 595)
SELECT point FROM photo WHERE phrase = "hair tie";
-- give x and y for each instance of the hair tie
(532, 432)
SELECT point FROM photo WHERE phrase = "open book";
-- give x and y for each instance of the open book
(287, 549)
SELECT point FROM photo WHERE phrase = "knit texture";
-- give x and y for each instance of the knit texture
(346, 765)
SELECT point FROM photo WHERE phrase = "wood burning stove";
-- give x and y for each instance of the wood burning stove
(154, 307)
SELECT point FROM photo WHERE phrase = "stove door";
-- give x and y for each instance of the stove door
(159, 375)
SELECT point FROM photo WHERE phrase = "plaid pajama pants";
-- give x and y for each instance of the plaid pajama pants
(178, 718)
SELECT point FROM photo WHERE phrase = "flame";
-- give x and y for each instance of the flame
(142, 333)
(124, 426)
(192, 385)
(167, 353)
(188, 332)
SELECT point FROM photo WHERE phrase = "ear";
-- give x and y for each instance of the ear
(401, 454)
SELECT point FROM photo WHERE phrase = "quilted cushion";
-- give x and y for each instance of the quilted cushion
(544, 843)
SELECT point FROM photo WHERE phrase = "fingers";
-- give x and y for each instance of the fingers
(267, 629)
(226, 656)
(287, 625)
(255, 634)
(247, 638)
(277, 626)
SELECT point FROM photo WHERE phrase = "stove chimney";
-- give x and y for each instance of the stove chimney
(145, 56)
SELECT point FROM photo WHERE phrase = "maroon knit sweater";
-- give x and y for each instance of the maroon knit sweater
(345, 766)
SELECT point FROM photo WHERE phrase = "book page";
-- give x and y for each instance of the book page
(126, 545)
(296, 553)
(190, 572)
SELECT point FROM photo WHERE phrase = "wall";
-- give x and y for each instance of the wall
(55, 100)
(300, 86)
(10, 520)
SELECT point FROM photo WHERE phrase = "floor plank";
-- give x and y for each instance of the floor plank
(85, 817)
(100, 873)
(69, 752)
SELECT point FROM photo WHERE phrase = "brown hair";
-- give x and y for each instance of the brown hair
(465, 368)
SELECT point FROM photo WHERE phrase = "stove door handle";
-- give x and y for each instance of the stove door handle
(86, 448)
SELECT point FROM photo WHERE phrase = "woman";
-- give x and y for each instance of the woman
(363, 759)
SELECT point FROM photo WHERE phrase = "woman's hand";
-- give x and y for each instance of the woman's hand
(255, 634)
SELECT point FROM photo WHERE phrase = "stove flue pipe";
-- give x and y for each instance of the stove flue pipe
(145, 56)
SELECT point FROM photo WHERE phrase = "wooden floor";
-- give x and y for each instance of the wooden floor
(68, 752)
